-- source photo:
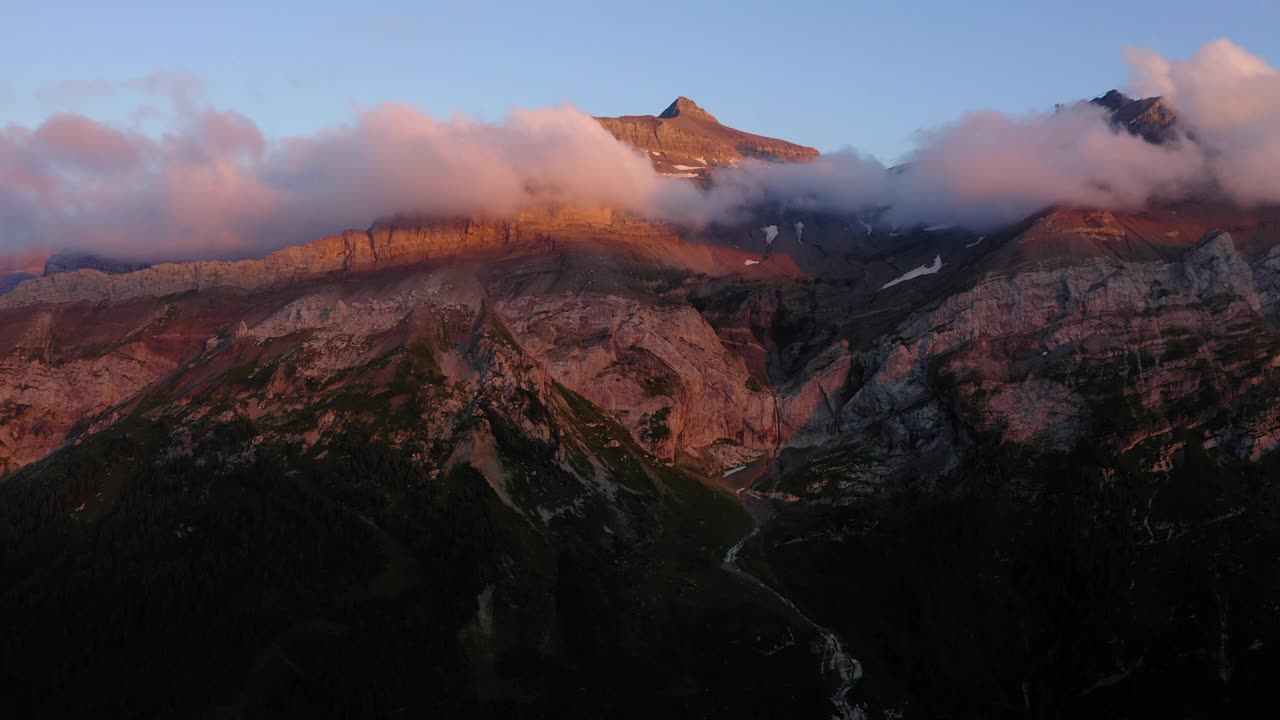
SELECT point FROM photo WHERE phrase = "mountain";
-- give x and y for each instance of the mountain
(576, 464)
(1149, 118)
(685, 140)
(69, 261)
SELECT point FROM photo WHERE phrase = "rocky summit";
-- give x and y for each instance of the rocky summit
(686, 141)
(1149, 118)
(580, 464)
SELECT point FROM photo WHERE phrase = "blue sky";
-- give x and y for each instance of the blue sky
(827, 74)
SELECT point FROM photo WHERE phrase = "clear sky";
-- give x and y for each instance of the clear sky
(828, 74)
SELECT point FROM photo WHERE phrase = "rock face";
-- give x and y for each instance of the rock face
(685, 139)
(1028, 353)
(385, 245)
(40, 402)
(691, 379)
(662, 370)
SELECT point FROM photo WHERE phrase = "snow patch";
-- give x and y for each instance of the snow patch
(799, 232)
(680, 175)
(918, 272)
(936, 228)
(770, 233)
(687, 167)
(738, 469)
(750, 262)
(865, 225)
(975, 242)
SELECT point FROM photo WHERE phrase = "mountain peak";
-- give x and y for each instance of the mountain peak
(1149, 118)
(1113, 100)
(684, 106)
(684, 140)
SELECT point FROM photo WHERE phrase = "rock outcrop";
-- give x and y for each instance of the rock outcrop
(662, 370)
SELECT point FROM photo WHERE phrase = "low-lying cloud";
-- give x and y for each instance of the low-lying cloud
(213, 186)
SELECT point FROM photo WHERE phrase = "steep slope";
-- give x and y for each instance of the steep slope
(364, 497)
(1064, 470)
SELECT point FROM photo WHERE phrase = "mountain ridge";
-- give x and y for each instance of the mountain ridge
(523, 468)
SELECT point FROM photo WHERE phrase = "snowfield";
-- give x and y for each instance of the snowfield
(918, 272)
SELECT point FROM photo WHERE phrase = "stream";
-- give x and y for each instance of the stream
(834, 658)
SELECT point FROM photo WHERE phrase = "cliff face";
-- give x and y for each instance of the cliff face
(661, 369)
(383, 246)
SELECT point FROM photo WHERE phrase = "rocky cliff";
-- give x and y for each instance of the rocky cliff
(383, 246)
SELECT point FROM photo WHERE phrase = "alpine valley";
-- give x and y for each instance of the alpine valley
(577, 463)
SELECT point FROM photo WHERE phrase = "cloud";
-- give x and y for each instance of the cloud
(79, 143)
(214, 186)
(987, 169)
(1230, 101)
(211, 184)
(990, 169)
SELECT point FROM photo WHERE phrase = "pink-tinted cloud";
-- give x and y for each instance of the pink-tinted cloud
(83, 144)
(990, 169)
(1230, 101)
(985, 170)
(213, 185)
